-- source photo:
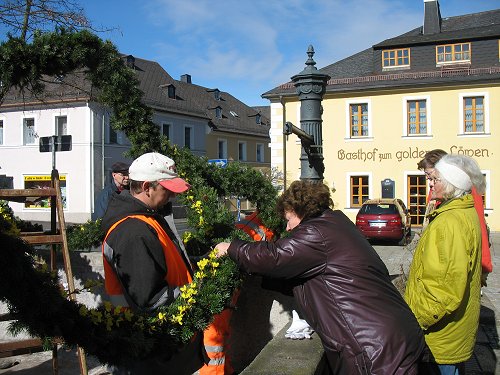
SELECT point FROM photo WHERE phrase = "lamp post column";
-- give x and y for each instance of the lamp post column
(310, 85)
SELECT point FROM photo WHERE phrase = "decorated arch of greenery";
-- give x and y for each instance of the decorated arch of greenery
(23, 66)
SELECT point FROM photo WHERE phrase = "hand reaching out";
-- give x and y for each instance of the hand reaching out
(222, 248)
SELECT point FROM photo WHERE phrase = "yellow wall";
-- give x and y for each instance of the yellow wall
(388, 152)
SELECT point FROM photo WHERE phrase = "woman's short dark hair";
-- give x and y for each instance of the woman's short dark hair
(431, 158)
(306, 198)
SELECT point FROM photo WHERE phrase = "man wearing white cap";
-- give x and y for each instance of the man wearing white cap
(444, 281)
(144, 265)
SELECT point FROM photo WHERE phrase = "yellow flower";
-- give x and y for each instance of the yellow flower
(161, 316)
(202, 263)
(177, 319)
(199, 275)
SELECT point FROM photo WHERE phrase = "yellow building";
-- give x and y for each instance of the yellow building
(437, 86)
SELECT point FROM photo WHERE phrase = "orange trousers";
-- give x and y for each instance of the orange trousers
(215, 339)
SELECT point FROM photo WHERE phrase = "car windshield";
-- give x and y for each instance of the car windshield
(379, 209)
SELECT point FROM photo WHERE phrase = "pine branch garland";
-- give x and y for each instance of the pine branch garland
(112, 334)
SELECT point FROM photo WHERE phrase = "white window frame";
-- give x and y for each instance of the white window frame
(348, 188)
(262, 157)
(427, 99)
(461, 128)
(222, 141)
(243, 145)
(24, 129)
(348, 104)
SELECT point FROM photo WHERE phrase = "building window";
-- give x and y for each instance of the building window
(417, 117)
(459, 52)
(61, 125)
(216, 94)
(359, 190)
(242, 151)
(1, 132)
(258, 119)
(165, 130)
(29, 131)
(473, 114)
(187, 137)
(417, 198)
(222, 149)
(358, 120)
(396, 57)
(260, 153)
(218, 112)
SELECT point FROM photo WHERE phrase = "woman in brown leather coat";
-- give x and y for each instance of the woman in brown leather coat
(341, 285)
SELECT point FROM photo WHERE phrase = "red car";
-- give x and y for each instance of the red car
(384, 219)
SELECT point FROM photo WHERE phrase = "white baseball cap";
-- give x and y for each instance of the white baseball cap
(157, 167)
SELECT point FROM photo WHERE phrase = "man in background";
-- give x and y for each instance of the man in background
(119, 173)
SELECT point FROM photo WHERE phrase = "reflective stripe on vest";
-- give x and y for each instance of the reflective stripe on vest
(178, 273)
(252, 228)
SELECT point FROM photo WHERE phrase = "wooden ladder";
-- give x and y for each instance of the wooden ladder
(57, 236)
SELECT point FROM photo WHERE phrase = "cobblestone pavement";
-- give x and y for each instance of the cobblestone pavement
(397, 259)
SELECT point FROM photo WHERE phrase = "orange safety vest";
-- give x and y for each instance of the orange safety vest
(253, 226)
(178, 273)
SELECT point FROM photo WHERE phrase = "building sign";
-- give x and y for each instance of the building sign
(42, 181)
(375, 154)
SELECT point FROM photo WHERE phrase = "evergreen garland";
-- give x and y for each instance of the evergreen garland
(112, 334)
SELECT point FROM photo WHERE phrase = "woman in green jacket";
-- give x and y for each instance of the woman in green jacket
(444, 281)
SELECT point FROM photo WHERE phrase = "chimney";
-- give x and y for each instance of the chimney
(432, 17)
(186, 78)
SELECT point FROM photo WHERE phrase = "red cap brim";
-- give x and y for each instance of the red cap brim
(175, 185)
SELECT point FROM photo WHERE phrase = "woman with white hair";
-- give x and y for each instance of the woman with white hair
(444, 281)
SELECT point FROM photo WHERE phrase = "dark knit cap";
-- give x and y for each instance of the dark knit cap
(119, 167)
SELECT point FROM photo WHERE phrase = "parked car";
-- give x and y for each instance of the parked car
(384, 219)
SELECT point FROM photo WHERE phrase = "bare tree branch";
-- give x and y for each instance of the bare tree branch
(23, 18)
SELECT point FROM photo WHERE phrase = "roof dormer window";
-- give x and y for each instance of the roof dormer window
(451, 53)
(171, 91)
(396, 58)
(233, 113)
(217, 94)
(258, 119)
(218, 112)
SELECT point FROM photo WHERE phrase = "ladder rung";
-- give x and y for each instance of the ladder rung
(6, 317)
(9, 349)
(43, 239)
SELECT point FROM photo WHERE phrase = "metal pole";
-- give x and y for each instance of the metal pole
(311, 86)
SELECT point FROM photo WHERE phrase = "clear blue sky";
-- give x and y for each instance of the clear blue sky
(247, 47)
